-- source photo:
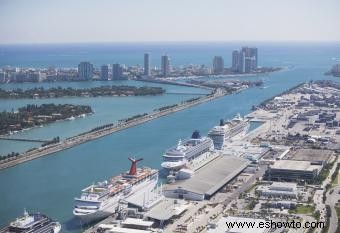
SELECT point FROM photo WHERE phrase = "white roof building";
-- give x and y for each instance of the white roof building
(279, 189)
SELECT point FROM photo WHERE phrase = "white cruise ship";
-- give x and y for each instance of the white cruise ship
(102, 199)
(236, 128)
(32, 223)
(177, 157)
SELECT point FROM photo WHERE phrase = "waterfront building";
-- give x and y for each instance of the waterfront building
(218, 65)
(165, 66)
(252, 54)
(146, 64)
(247, 65)
(336, 69)
(2, 77)
(207, 180)
(235, 60)
(85, 70)
(104, 72)
(244, 60)
(117, 72)
(241, 64)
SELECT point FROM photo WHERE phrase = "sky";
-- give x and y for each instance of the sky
(72, 21)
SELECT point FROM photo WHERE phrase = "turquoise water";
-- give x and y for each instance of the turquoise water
(50, 183)
(107, 110)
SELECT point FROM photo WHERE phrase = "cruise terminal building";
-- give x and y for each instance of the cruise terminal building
(206, 181)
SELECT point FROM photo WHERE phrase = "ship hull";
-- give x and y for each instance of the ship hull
(95, 216)
(112, 204)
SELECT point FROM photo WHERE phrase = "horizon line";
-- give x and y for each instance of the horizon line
(174, 41)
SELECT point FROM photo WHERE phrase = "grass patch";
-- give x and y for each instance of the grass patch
(337, 209)
(252, 204)
(335, 182)
(251, 188)
(302, 209)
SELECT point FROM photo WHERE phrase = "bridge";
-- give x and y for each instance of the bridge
(24, 139)
(184, 93)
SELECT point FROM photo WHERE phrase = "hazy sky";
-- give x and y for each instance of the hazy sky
(45, 21)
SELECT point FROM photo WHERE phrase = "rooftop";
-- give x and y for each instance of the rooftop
(137, 222)
(283, 185)
(312, 155)
(210, 178)
(295, 165)
(166, 209)
(126, 230)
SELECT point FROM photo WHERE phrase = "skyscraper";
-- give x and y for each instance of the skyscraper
(117, 72)
(235, 60)
(241, 62)
(85, 70)
(146, 64)
(218, 65)
(254, 56)
(251, 53)
(165, 66)
(247, 65)
(104, 72)
(245, 60)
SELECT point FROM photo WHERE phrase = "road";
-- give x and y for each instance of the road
(331, 200)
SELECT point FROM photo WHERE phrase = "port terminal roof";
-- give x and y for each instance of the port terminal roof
(211, 177)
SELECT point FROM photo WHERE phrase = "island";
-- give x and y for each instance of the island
(57, 92)
(33, 115)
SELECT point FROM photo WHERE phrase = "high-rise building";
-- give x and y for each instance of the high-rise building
(245, 60)
(242, 62)
(146, 64)
(104, 72)
(235, 61)
(85, 70)
(165, 66)
(117, 72)
(252, 53)
(218, 65)
(254, 57)
(247, 65)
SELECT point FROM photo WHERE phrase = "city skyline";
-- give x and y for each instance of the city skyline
(88, 21)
